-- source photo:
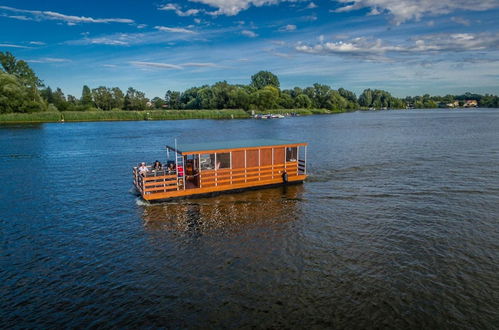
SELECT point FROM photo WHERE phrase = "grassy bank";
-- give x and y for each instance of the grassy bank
(72, 116)
(37, 117)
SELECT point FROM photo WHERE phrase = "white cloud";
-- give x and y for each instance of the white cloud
(37, 43)
(288, 28)
(178, 10)
(311, 6)
(233, 7)
(38, 15)
(174, 30)
(199, 65)
(49, 60)
(13, 46)
(156, 65)
(404, 10)
(160, 65)
(141, 26)
(105, 41)
(249, 33)
(20, 17)
(461, 20)
(368, 47)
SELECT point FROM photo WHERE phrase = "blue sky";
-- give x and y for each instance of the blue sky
(408, 47)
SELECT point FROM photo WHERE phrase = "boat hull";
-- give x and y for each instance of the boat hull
(210, 191)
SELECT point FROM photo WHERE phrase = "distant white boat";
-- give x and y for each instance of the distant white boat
(268, 116)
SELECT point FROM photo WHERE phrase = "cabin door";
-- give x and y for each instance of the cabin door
(191, 171)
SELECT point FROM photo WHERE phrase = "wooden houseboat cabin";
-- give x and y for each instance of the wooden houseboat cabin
(195, 169)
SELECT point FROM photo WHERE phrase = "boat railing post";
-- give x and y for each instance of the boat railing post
(259, 166)
(216, 170)
(199, 170)
(245, 168)
(305, 165)
(297, 159)
(272, 149)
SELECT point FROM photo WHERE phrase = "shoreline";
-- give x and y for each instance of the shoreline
(96, 116)
(152, 115)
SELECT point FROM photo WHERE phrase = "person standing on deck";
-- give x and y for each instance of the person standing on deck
(143, 169)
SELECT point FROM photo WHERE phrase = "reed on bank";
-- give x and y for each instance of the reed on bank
(118, 115)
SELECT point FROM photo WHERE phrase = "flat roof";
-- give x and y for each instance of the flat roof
(231, 144)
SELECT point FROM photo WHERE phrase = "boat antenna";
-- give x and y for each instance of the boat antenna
(176, 163)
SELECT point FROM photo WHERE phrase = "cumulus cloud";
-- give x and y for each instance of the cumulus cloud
(178, 10)
(38, 15)
(372, 48)
(288, 28)
(249, 33)
(174, 30)
(37, 43)
(404, 10)
(233, 7)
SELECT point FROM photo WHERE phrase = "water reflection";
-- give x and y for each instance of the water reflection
(227, 212)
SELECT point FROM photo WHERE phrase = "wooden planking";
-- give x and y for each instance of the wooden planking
(238, 159)
(265, 157)
(205, 190)
(243, 148)
(279, 155)
(252, 158)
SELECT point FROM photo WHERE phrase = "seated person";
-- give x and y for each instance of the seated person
(171, 167)
(157, 166)
(143, 169)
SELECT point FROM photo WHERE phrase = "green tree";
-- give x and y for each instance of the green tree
(118, 98)
(86, 97)
(302, 101)
(135, 100)
(103, 98)
(59, 100)
(158, 102)
(264, 78)
(172, 99)
(265, 98)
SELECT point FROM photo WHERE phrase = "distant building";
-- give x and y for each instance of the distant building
(471, 104)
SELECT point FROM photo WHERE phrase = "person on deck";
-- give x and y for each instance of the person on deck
(157, 166)
(171, 168)
(143, 169)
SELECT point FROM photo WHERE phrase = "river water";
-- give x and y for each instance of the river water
(396, 227)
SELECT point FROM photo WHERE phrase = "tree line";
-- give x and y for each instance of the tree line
(22, 91)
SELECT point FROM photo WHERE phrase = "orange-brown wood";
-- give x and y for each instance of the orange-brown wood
(251, 167)
(243, 148)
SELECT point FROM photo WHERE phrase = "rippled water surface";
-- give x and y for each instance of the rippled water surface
(397, 226)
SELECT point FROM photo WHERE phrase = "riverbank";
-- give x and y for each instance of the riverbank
(79, 116)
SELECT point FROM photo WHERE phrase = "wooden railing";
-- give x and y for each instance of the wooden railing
(154, 182)
(163, 181)
(221, 177)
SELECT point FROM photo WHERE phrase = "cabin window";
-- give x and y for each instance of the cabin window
(291, 154)
(207, 161)
(223, 160)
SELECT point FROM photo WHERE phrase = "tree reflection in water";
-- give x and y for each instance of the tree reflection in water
(226, 212)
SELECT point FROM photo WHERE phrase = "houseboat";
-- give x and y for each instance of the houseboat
(206, 168)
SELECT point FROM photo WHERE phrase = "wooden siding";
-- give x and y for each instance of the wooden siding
(238, 159)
